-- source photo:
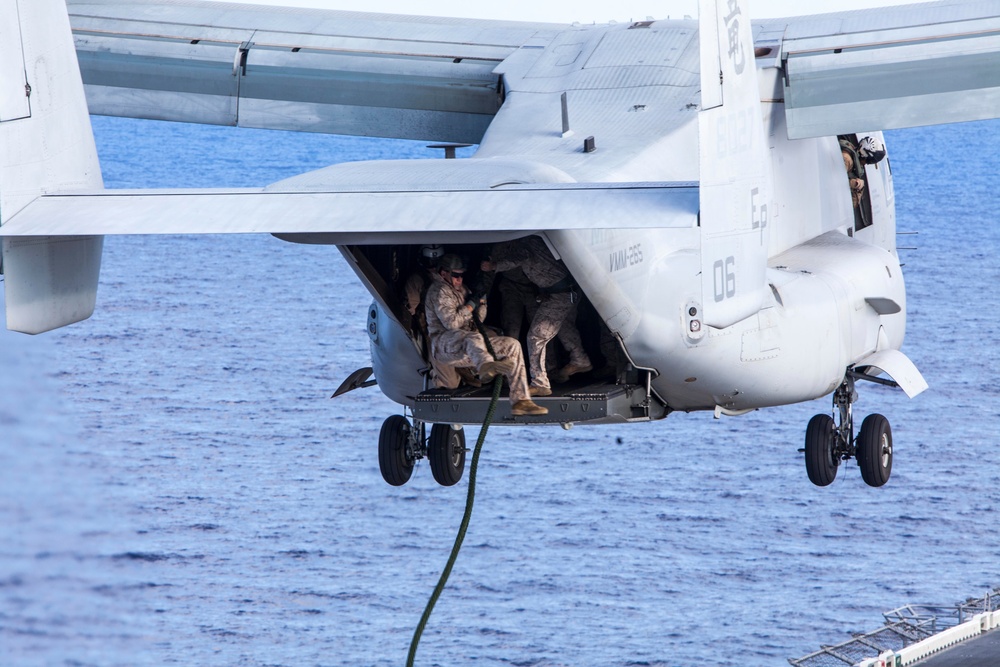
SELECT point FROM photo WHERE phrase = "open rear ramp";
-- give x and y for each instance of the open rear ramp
(592, 401)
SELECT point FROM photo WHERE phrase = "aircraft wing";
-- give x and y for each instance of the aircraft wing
(338, 72)
(894, 67)
(434, 79)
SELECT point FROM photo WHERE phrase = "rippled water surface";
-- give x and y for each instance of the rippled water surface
(176, 486)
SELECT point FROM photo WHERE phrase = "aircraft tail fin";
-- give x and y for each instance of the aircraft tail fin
(735, 174)
(46, 147)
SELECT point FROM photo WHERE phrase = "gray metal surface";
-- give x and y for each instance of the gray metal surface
(982, 651)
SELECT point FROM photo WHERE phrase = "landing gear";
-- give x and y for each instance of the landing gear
(446, 453)
(821, 459)
(395, 450)
(828, 443)
(875, 450)
(401, 445)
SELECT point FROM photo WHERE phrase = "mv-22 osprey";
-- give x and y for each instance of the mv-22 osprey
(690, 175)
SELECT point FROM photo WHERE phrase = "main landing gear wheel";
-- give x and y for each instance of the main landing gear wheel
(874, 450)
(821, 457)
(446, 453)
(394, 457)
(829, 442)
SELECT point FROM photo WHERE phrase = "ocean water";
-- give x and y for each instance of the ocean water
(176, 486)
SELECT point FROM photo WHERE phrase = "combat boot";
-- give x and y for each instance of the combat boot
(569, 369)
(529, 408)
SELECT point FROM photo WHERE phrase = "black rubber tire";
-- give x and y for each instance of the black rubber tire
(874, 450)
(821, 464)
(446, 454)
(396, 467)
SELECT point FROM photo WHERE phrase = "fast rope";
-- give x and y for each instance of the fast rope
(469, 500)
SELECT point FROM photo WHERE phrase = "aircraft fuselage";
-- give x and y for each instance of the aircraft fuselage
(823, 273)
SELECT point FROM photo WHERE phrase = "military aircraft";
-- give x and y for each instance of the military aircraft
(693, 177)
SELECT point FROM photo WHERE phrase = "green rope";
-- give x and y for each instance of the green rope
(467, 517)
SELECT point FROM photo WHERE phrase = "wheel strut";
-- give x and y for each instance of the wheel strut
(843, 401)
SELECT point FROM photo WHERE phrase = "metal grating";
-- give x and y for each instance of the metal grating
(903, 626)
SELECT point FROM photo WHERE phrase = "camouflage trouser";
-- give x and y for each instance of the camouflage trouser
(444, 375)
(516, 300)
(519, 300)
(460, 348)
(556, 316)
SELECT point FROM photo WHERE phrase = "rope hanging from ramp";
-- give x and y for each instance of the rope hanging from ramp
(467, 517)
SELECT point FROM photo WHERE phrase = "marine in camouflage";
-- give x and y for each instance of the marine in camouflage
(455, 341)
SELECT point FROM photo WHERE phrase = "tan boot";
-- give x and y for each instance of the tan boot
(491, 369)
(528, 407)
(535, 390)
(569, 369)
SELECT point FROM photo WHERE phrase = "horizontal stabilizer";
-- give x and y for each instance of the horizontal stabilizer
(348, 217)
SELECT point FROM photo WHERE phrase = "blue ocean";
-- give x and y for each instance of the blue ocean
(178, 488)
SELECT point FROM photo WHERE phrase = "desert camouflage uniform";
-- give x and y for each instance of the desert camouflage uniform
(556, 314)
(414, 295)
(456, 342)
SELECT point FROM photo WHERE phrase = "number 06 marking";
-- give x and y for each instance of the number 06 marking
(725, 279)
